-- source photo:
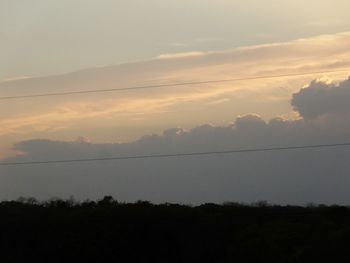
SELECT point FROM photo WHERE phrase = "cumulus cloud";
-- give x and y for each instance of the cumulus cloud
(219, 100)
(320, 98)
(297, 176)
(250, 122)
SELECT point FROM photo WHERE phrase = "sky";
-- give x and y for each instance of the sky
(61, 46)
(44, 37)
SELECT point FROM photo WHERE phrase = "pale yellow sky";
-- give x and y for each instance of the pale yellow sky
(44, 37)
(125, 116)
(57, 46)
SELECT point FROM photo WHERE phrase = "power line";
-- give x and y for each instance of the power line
(177, 154)
(166, 85)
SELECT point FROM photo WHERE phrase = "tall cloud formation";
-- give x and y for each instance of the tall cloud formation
(319, 99)
(297, 176)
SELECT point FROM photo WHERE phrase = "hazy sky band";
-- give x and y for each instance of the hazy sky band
(51, 37)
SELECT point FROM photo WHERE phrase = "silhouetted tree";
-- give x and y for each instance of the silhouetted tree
(108, 231)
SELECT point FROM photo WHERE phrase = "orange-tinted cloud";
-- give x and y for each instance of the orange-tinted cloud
(164, 107)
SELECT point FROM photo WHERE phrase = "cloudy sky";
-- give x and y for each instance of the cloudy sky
(59, 46)
(42, 37)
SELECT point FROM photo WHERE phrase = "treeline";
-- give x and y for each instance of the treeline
(110, 231)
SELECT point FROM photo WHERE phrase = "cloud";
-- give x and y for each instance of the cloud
(181, 55)
(250, 122)
(320, 98)
(162, 106)
(296, 176)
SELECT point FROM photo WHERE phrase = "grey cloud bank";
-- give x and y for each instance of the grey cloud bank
(298, 176)
(319, 99)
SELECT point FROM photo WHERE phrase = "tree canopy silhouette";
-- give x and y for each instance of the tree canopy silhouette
(110, 231)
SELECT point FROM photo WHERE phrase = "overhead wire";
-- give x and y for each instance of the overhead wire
(27, 96)
(173, 155)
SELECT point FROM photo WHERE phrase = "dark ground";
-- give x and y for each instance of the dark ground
(108, 231)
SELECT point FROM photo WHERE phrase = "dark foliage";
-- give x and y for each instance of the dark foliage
(109, 231)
